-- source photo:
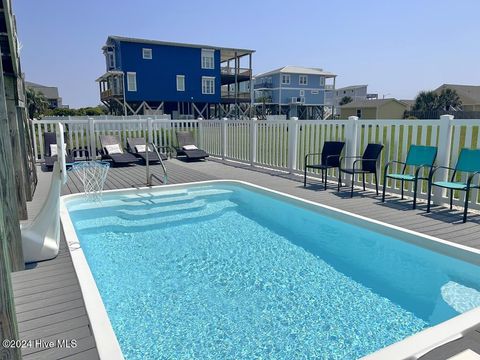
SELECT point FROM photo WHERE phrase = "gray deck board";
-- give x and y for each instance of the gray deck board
(48, 298)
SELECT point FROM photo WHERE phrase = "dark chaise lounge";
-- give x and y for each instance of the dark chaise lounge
(329, 158)
(365, 164)
(187, 147)
(111, 149)
(49, 139)
(137, 147)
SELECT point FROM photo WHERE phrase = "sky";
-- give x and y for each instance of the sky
(396, 47)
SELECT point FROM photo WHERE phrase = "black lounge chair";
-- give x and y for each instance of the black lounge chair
(185, 139)
(121, 158)
(135, 143)
(50, 138)
(365, 164)
(330, 158)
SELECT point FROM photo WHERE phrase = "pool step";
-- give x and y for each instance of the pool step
(150, 204)
(137, 224)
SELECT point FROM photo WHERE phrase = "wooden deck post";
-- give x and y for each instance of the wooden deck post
(16, 133)
(9, 194)
(11, 255)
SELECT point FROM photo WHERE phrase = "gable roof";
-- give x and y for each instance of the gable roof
(290, 69)
(351, 87)
(469, 94)
(227, 52)
(50, 92)
(374, 103)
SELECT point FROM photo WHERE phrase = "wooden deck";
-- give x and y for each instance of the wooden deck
(48, 299)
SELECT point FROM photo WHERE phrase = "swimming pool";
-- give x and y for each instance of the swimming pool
(227, 270)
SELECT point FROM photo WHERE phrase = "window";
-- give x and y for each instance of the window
(208, 61)
(314, 91)
(147, 53)
(131, 81)
(303, 80)
(180, 82)
(322, 81)
(302, 92)
(359, 113)
(110, 60)
(208, 85)
(286, 79)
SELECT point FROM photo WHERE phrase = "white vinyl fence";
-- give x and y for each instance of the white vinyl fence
(282, 144)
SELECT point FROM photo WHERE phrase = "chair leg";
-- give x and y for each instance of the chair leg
(305, 177)
(339, 179)
(465, 208)
(429, 196)
(451, 199)
(415, 185)
(325, 181)
(376, 182)
(363, 181)
(353, 180)
(384, 188)
(402, 189)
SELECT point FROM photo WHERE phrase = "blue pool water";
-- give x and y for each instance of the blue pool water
(223, 272)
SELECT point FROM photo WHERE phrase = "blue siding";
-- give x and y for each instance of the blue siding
(288, 91)
(156, 78)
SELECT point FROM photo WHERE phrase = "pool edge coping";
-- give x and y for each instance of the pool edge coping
(411, 347)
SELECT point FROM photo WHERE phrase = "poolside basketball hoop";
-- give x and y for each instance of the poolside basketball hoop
(92, 174)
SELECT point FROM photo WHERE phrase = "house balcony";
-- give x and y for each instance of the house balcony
(228, 75)
(110, 93)
(231, 97)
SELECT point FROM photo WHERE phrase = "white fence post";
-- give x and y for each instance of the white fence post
(292, 144)
(93, 140)
(150, 136)
(351, 137)
(224, 138)
(443, 155)
(200, 132)
(253, 141)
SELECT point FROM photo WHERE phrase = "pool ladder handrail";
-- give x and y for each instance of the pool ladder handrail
(151, 176)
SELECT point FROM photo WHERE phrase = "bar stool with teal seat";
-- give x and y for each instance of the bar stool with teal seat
(419, 157)
(468, 162)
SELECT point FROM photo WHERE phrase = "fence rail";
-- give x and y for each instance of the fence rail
(281, 144)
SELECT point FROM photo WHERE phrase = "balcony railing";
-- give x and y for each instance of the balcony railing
(239, 95)
(104, 95)
(231, 71)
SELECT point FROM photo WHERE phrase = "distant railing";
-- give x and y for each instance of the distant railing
(239, 95)
(231, 71)
(280, 144)
(109, 93)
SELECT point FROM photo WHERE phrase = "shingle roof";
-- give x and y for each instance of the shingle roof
(169, 43)
(351, 87)
(290, 69)
(50, 92)
(470, 94)
(374, 103)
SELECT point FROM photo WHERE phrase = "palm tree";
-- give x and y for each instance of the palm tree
(37, 103)
(345, 100)
(449, 99)
(427, 101)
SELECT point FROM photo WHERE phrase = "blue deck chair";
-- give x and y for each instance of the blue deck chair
(418, 158)
(329, 158)
(468, 162)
